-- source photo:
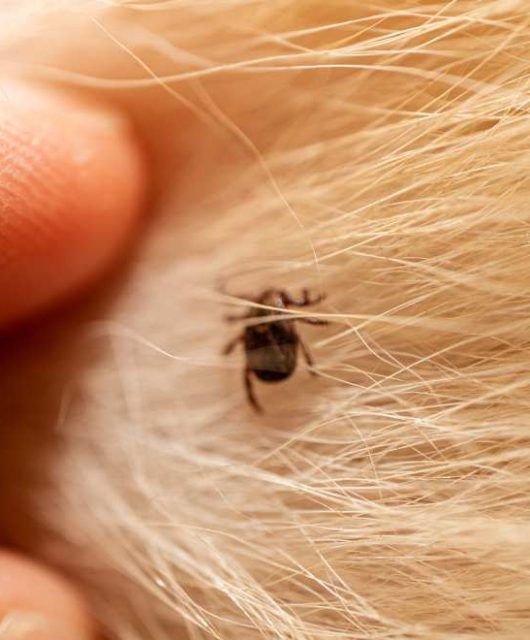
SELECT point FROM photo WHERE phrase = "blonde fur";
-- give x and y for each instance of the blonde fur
(378, 152)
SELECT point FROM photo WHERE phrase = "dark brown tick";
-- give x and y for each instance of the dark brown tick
(271, 347)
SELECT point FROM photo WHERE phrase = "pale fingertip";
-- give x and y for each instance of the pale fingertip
(26, 625)
(37, 604)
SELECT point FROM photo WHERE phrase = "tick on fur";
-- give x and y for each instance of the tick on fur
(271, 347)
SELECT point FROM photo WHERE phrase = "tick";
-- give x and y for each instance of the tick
(271, 347)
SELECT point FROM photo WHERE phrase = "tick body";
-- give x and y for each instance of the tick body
(271, 346)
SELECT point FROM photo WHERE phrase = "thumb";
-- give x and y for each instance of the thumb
(72, 181)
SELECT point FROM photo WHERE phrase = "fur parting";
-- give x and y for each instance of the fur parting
(375, 151)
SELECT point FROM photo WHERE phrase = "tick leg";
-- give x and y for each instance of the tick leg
(304, 301)
(307, 356)
(313, 321)
(232, 345)
(251, 397)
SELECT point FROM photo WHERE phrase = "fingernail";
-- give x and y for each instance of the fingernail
(22, 625)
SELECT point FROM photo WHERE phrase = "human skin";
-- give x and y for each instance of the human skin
(71, 190)
(72, 186)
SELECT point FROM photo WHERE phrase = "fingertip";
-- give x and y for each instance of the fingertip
(37, 604)
(72, 186)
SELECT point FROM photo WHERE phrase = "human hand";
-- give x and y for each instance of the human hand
(72, 184)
